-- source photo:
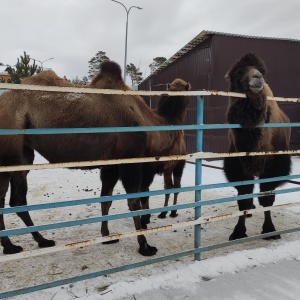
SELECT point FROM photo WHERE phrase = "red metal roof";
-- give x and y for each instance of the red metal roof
(202, 36)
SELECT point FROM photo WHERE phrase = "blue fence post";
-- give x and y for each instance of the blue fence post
(198, 174)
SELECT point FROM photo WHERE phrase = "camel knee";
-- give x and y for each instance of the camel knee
(245, 204)
(266, 200)
(134, 204)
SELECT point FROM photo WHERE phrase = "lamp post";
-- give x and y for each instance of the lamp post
(127, 13)
(42, 61)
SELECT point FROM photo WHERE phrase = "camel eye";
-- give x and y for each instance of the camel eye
(242, 74)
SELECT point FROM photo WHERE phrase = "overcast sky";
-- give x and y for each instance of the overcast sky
(73, 31)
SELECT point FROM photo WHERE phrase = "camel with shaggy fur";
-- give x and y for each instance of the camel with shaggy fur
(247, 76)
(35, 109)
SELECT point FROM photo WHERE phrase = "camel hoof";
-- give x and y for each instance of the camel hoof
(147, 250)
(162, 215)
(270, 238)
(173, 214)
(111, 242)
(237, 236)
(46, 243)
(12, 249)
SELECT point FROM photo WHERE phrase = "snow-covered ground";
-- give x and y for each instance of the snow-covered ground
(255, 270)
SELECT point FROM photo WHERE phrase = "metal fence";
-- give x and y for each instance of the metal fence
(197, 188)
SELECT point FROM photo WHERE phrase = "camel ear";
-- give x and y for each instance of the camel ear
(227, 76)
(188, 86)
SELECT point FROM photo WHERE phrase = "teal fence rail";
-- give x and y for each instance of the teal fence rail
(197, 204)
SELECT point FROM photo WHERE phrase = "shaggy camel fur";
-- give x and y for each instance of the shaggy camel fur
(247, 76)
(172, 110)
(34, 109)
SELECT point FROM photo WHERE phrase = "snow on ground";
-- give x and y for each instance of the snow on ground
(254, 270)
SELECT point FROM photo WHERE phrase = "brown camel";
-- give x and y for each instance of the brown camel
(174, 169)
(170, 108)
(169, 169)
(35, 109)
(247, 76)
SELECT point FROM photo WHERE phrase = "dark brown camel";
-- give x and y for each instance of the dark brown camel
(171, 109)
(247, 76)
(34, 109)
(172, 173)
(169, 169)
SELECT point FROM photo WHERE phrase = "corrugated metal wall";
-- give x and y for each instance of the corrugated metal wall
(205, 67)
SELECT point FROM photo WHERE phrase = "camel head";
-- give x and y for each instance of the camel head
(247, 75)
(173, 108)
(178, 85)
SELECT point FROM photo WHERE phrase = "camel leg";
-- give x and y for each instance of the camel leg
(18, 195)
(145, 219)
(177, 174)
(267, 201)
(148, 173)
(18, 184)
(279, 167)
(168, 184)
(131, 177)
(239, 231)
(8, 246)
(109, 177)
(234, 172)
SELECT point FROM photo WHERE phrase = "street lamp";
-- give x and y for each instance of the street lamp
(42, 61)
(127, 13)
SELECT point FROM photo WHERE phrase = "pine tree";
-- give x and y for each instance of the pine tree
(134, 73)
(22, 69)
(157, 61)
(83, 81)
(94, 63)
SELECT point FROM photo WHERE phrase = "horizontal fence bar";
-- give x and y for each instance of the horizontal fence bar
(72, 223)
(199, 155)
(98, 163)
(91, 130)
(34, 207)
(149, 261)
(82, 90)
(199, 221)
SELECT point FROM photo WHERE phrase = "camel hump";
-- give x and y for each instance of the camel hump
(112, 68)
(109, 77)
(179, 85)
(47, 78)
